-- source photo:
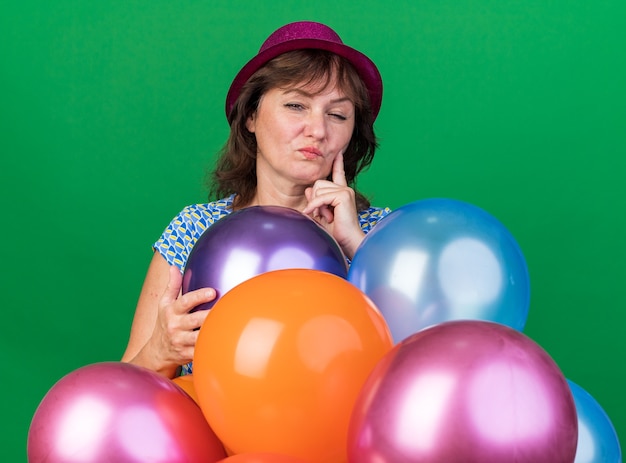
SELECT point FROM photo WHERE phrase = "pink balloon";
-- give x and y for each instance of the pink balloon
(118, 412)
(465, 391)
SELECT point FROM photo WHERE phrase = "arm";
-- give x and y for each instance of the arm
(163, 333)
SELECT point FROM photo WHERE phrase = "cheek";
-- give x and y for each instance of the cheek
(266, 134)
(328, 166)
(345, 135)
(278, 131)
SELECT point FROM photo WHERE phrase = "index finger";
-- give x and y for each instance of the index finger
(339, 174)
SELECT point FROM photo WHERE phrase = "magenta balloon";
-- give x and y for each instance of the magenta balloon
(465, 391)
(118, 412)
(256, 240)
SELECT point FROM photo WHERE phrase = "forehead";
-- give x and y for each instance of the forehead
(311, 89)
(327, 85)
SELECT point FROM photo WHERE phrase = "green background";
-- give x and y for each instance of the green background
(110, 112)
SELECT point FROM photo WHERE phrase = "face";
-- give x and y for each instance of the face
(299, 132)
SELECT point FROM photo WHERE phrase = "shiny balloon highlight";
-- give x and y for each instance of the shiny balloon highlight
(464, 392)
(439, 260)
(118, 412)
(255, 240)
(597, 438)
(280, 360)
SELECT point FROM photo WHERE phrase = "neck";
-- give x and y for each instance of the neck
(294, 200)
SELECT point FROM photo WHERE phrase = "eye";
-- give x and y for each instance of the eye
(294, 106)
(338, 116)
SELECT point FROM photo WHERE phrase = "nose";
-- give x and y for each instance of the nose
(315, 125)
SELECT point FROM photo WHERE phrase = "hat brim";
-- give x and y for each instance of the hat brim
(365, 67)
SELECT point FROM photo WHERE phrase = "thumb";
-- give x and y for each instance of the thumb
(307, 193)
(174, 285)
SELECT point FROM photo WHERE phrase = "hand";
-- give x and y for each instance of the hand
(175, 332)
(332, 204)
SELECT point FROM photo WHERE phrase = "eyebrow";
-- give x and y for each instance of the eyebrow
(310, 95)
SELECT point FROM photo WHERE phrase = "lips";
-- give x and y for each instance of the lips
(311, 152)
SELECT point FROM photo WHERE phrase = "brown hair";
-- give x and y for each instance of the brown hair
(235, 170)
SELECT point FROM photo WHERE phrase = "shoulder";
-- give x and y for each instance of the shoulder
(187, 226)
(220, 207)
(371, 216)
(205, 214)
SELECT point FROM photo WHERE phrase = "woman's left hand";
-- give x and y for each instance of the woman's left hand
(332, 204)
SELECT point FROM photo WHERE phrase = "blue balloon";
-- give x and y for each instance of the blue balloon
(439, 260)
(597, 439)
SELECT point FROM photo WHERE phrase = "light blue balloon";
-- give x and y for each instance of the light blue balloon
(439, 260)
(597, 439)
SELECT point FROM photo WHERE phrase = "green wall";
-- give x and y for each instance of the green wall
(111, 111)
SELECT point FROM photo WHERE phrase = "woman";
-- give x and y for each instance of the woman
(301, 114)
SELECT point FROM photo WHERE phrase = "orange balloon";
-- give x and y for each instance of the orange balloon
(185, 382)
(261, 458)
(281, 359)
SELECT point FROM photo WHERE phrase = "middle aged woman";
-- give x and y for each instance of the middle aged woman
(301, 115)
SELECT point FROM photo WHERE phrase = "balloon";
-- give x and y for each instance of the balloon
(185, 382)
(464, 392)
(255, 240)
(597, 439)
(262, 458)
(280, 360)
(439, 260)
(119, 412)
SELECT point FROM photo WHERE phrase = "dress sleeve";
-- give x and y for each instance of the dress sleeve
(370, 217)
(178, 238)
(181, 234)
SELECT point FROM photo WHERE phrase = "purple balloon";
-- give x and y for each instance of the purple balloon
(256, 240)
(118, 412)
(465, 391)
